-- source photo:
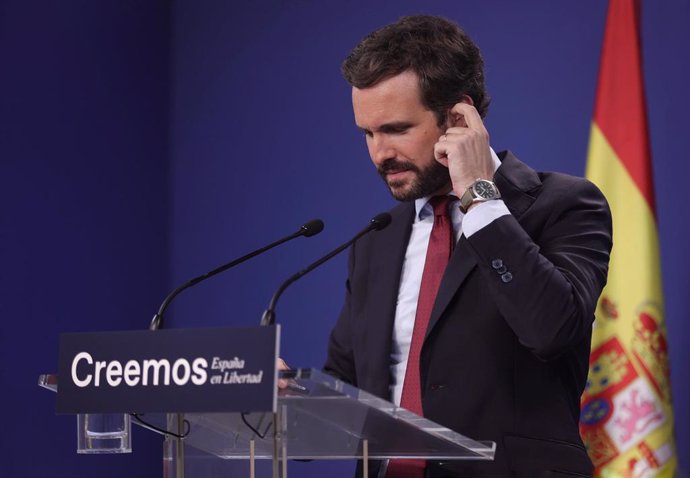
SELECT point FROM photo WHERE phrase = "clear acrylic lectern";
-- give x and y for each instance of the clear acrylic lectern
(318, 417)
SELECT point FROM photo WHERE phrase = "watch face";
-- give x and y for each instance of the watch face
(484, 189)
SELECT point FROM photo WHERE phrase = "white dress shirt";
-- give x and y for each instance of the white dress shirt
(413, 266)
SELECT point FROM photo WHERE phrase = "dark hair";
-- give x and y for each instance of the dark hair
(443, 56)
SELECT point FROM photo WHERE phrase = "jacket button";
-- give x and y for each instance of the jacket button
(507, 277)
(496, 263)
(435, 388)
(502, 270)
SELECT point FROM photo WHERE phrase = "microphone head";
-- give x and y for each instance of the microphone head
(380, 221)
(311, 228)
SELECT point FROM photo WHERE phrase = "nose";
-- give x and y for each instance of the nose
(380, 149)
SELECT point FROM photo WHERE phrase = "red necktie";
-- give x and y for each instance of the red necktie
(437, 255)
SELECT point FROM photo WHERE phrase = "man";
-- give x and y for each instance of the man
(494, 344)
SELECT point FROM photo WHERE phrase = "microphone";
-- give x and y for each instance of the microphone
(378, 222)
(307, 229)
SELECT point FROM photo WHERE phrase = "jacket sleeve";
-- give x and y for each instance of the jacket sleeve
(546, 277)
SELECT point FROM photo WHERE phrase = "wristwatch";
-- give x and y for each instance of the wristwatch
(479, 191)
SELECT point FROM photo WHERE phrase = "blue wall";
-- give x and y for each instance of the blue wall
(127, 174)
(83, 207)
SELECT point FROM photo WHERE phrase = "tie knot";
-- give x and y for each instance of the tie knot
(440, 204)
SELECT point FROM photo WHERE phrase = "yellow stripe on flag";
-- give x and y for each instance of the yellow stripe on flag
(627, 419)
(634, 270)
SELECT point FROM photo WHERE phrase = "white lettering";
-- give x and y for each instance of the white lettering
(113, 373)
(181, 364)
(234, 377)
(75, 362)
(199, 366)
(156, 365)
(132, 373)
(99, 368)
(223, 365)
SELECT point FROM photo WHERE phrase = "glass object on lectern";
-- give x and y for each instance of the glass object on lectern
(104, 433)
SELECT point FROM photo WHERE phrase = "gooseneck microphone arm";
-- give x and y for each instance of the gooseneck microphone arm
(308, 229)
(377, 223)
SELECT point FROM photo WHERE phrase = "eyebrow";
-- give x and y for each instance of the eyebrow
(391, 127)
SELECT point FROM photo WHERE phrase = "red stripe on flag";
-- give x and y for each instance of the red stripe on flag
(620, 105)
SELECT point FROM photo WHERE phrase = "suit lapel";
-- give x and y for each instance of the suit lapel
(461, 264)
(383, 283)
(519, 184)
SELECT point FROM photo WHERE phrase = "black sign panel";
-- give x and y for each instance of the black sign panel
(177, 370)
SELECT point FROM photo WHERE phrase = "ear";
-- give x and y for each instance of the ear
(455, 119)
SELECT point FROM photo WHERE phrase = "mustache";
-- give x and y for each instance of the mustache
(393, 165)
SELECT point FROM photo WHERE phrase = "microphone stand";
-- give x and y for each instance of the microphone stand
(379, 222)
(308, 229)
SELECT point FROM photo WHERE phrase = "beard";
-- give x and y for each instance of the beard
(427, 181)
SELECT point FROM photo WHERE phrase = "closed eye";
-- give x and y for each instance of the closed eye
(389, 128)
(395, 128)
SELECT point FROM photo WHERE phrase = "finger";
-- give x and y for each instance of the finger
(281, 365)
(441, 153)
(455, 132)
(471, 115)
(463, 137)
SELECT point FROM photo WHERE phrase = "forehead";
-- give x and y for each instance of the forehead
(394, 99)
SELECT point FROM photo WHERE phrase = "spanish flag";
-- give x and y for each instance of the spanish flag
(627, 419)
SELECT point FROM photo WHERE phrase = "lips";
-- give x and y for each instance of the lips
(396, 172)
(394, 168)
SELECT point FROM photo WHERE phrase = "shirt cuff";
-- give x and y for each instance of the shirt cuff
(482, 215)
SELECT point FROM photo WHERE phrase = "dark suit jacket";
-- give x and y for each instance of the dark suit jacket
(506, 353)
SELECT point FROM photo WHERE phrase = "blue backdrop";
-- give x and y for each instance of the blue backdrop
(142, 143)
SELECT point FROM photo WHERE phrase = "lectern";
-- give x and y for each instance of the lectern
(317, 418)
